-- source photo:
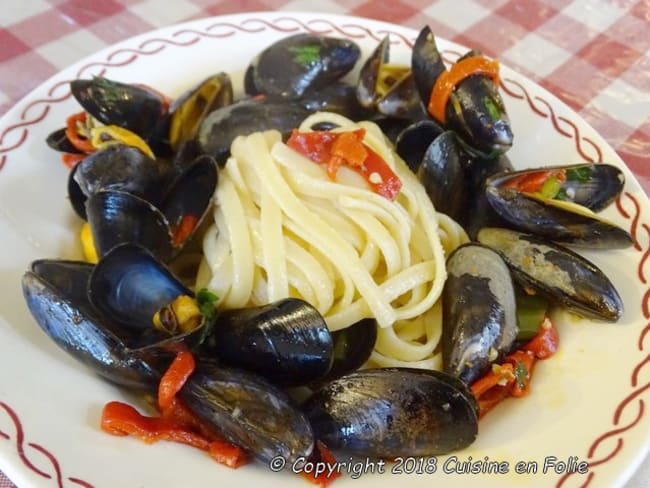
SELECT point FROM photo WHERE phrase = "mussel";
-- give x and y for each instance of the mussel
(475, 109)
(56, 294)
(557, 272)
(220, 128)
(292, 66)
(543, 212)
(126, 105)
(387, 88)
(479, 311)
(394, 412)
(287, 341)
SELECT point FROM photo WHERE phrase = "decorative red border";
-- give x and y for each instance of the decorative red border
(627, 205)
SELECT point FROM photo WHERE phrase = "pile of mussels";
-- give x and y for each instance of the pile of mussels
(249, 361)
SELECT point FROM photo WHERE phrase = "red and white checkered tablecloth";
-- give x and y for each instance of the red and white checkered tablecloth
(592, 54)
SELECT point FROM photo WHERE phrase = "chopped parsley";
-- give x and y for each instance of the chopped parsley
(207, 303)
(306, 55)
(521, 374)
(581, 174)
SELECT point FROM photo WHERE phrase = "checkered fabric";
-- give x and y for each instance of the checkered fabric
(592, 54)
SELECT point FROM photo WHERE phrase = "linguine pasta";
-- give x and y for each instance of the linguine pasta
(283, 228)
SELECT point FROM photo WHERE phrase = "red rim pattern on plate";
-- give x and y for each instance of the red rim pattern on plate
(627, 204)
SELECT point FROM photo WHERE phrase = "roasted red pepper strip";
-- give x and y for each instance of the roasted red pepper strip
(184, 229)
(71, 160)
(337, 148)
(512, 378)
(177, 422)
(322, 455)
(533, 182)
(72, 133)
(448, 80)
(174, 378)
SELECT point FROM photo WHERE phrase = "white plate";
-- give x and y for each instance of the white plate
(587, 402)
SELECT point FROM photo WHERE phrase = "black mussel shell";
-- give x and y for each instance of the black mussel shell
(352, 348)
(126, 105)
(190, 196)
(592, 185)
(426, 63)
(394, 412)
(287, 341)
(338, 97)
(56, 295)
(58, 141)
(130, 285)
(479, 213)
(117, 217)
(76, 195)
(412, 143)
(442, 173)
(222, 126)
(557, 272)
(293, 65)
(479, 321)
(249, 412)
(556, 220)
(124, 168)
(188, 111)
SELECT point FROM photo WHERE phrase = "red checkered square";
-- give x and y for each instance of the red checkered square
(17, 81)
(492, 35)
(86, 13)
(530, 14)
(116, 28)
(394, 11)
(639, 75)
(11, 46)
(439, 29)
(234, 6)
(34, 34)
(635, 150)
(566, 32)
(610, 56)
(641, 10)
(631, 31)
(576, 82)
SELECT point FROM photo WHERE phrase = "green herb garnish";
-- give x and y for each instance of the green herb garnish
(306, 55)
(492, 107)
(521, 374)
(207, 303)
(581, 174)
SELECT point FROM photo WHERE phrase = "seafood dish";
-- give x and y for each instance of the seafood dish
(335, 258)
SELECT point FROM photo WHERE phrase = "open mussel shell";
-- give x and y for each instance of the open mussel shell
(556, 220)
(222, 126)
(124, 168)
(389, 89)
(76, 195)
(352, 348)
(479, 321)
(296, 64)
(58, 140)
(249, 412)
(286, 341)
(338, 97)
(118, 217)
(190, 196)
(394, 412)
(115, 103)
(475, 110)
(188, 111)
(557, 272)
(130, 285)
(56, 295)
(412, 142)
(592, 185)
